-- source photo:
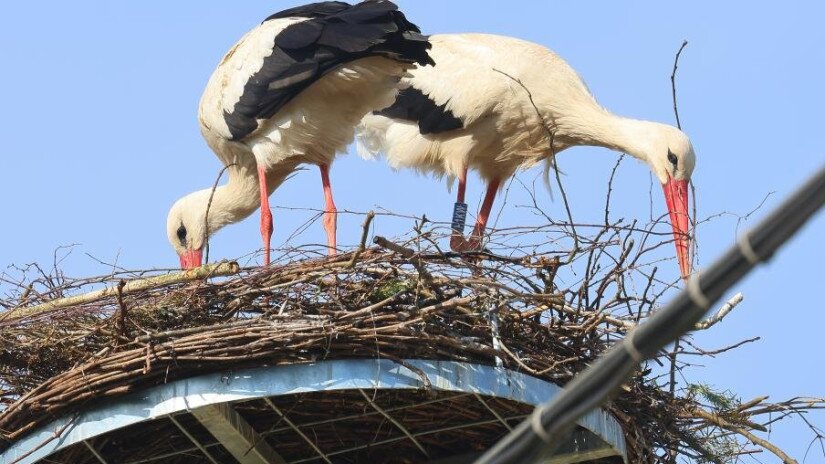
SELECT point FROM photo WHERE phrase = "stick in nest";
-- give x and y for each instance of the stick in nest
(204, 272)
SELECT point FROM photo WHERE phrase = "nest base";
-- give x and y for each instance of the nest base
(346, 410)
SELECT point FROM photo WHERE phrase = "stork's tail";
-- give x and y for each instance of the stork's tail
(371, 136)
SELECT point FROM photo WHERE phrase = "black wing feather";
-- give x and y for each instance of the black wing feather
(335, 33)
(367, 12)
(413, 105)
(354, 39)
(311, 10)
(299, 35)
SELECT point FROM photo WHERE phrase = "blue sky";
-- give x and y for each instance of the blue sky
(99, 137)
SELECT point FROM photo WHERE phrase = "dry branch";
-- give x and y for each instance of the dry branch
(204, 272)
(365, 229)
(723, 311)
(717, 420)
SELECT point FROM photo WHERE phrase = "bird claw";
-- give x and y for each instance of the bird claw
(459, 244)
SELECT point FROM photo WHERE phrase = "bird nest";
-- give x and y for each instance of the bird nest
(545, 313)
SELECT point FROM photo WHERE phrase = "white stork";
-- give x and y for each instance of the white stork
(465, 112)
(291, 91)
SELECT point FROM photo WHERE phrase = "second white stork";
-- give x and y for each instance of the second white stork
(291, 91)
(473, 109)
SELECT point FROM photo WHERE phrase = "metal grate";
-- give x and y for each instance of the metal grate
(229, 419)
(432, 427)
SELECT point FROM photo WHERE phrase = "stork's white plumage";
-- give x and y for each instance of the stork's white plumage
(291, 91)
(464, 112)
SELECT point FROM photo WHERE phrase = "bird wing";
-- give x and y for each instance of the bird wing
(292, 49)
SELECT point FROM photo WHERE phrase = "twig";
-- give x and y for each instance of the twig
(716, 420)
(208, 206)
(407, 253)
(121, 320)
(364, 233)
(673, 82)
(213, 270)
(610, 189)
(712, 353)
(370, 308)
(723, 311)
(673, 367)
(55, 435)
(749, 404)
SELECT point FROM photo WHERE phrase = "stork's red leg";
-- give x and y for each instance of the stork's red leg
(266, 214)
(462, 186)
(457, 242)
(481, 221)
(330, 212)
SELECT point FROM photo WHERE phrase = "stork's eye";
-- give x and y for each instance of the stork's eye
(182, 234)
(672, 158)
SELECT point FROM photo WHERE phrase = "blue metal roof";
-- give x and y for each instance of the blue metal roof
(246, 384)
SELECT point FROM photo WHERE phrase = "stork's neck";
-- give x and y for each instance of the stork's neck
(604, 129)
(234, 201)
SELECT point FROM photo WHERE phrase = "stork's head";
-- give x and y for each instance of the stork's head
(186, 228)
(669, 154)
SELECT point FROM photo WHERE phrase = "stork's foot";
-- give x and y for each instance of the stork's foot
(459, 244)
(474, 244)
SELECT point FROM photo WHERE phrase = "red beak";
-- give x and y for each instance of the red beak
(191, 259)
(676, 196)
